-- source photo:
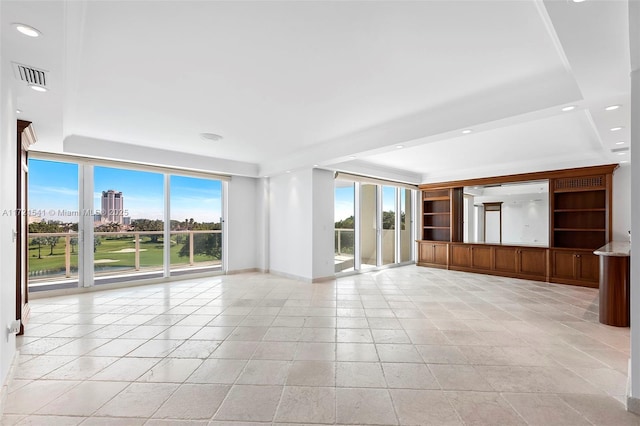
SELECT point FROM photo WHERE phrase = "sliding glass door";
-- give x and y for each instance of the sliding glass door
(373, 225)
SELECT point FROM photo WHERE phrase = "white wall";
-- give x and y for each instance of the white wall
(291, 224)
(8, 152)
(242, 224)
(621, 203)
(322, 214)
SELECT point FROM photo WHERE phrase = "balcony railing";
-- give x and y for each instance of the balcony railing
(53, 256)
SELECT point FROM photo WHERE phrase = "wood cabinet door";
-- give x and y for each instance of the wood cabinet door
(587, 267)
(532, 262)
(481, 257)
(425, 252)
(563, 264)
(504, 259)
(460, 255)
(440, 254)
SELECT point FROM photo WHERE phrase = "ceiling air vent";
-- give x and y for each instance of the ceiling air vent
(30, 75)
(620, 149)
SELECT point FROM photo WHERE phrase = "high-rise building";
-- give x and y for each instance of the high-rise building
(112, 206)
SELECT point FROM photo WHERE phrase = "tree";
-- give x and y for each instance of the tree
(207, 244)
(347, 223)
(42, 228)
(73, 242)
(148, 225)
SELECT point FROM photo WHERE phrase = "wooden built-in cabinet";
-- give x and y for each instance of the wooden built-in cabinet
(580, 202)
(509, 261)
(433, 254)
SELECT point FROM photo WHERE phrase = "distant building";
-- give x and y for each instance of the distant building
(112, 206)
(126, 220)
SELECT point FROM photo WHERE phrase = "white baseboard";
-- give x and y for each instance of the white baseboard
(5, 386)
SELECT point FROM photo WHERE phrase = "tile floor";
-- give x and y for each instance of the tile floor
(407, 346)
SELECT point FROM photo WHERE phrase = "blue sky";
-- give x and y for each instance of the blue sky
(53, 186)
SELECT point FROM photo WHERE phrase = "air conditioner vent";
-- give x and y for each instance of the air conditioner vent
(626, 148)
(30, 75)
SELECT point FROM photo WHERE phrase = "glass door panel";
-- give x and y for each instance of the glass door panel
(388, 225)
(344, 231)
(129, 225)
(406, 224)
(53, 225)
(368, 226)
(196, 224)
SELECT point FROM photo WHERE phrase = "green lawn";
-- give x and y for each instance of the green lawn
(112, 249)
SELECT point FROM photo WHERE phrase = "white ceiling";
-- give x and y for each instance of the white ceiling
(335, 84)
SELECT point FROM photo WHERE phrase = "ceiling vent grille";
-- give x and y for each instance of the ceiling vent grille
(30, 75)
(620, 149)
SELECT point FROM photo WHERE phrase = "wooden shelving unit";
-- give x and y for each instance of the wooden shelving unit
(436, 215)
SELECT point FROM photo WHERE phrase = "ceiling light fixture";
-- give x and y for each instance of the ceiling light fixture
(352, 156)
(615, 129)
(18, 111)
(624, 161)
(466, 131)
(288, 171)
(38, 88)
(612, 107)
(620, 143)
(578, 1)
(399, 146)
(569, 108)
(622, 153)
(27, 30)
(210, 136)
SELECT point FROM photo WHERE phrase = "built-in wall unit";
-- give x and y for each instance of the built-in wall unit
(541, 226)
(374, 223)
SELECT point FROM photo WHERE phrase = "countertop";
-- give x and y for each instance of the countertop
(615, 248)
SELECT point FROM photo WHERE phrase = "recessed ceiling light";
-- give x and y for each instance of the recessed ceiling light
(27, 30)
(38, 88)
(624, 161)
(288, 171)
(622, 153)
(399, 146)
(620, 143)
(315, 165)
(466, 131)
(569, 108)
(615, 129)
(210, 136)
(18, 111)
(612, 107)
(578, 1)
(352, 156)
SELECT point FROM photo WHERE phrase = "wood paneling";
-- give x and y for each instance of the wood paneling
(614, 290)
(505, 259)
(481, 257)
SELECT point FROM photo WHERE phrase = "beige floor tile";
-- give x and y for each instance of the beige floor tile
(359, 375)
(459, 377)
(84, 399)
(483, 408)
(117, 347)
(535, 379)
(34, 395)
(409, 376)
(364, 406)
(126, 369)
(356, 352)
(390, 336)
(424, 407)
(264, 372)
(312, 351)
(316, 334)
(81, 368)
(601, 410)
(201, 349)
(544, 409)
(44, 420)
(283, 334)
(354, 335)
(276, 350)
(250, 403)
(171, 370)
(442, 354)
(193, 402)
(398, 353)
(138, 400)
(312, 373)
(220, 371)
(212, 333)
(114, 421)
(235, 350)
(250, 334)
(155, 349)
(38, 366)
(307, 405)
